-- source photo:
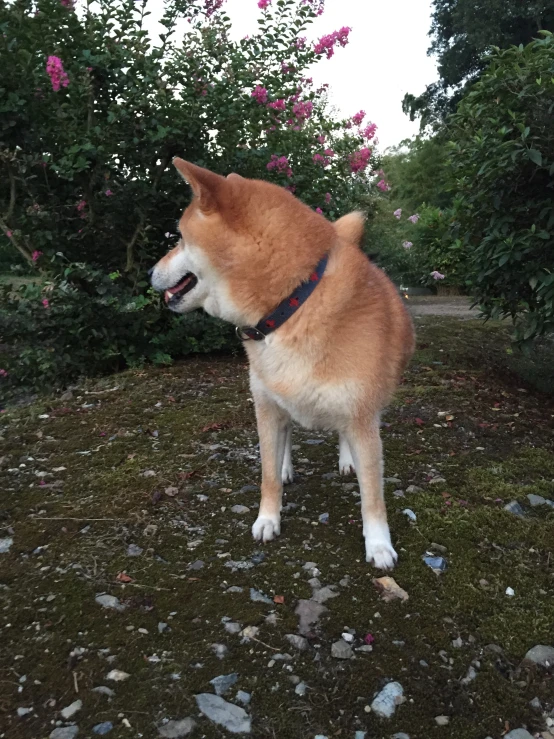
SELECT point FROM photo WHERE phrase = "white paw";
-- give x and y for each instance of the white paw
(380, 554)
(287, 474)
(266, 528)
(346, 467)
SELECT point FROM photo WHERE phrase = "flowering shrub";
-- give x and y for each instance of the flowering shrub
(91, 120)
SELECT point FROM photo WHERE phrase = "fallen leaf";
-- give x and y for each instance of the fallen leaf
(279, 599)
(187, 475)
(389, 589)
(214, 427)
(420, 421)
(124, 577)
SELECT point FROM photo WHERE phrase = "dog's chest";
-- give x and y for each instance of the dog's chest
(291, 378)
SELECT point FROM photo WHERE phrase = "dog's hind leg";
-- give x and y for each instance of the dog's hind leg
(365, 444)
(287, 474)
(273, 423)
(346, 463)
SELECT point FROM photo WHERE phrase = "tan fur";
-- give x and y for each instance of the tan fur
(335, 363)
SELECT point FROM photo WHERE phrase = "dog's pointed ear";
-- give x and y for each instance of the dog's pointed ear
(351, 227)
(207, 186)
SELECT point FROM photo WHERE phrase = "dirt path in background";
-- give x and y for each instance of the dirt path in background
(435, 306)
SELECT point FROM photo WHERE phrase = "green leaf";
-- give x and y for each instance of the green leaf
(535, 156)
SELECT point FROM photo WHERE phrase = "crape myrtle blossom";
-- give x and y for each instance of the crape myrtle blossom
(358, 118)
(383, 186)
(259, 94)
(277, 104)
(437, 275)
(398, 213)
(55, 70)
(407, 244)
(369, 131)
(326, 44)
(262, 4)
(414, 218)
(280, 164)
(359, 159)
(36, 255)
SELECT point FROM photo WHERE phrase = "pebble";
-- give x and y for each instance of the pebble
(133, 550)
(518, 734)
(24, 711)
(442, 720)
(104, 690)
(541, 655)
(109, 601)
(324, 518)
(231, 717)
(437, 480)
(104, 728)
(298, 642)
(324, 594)
(240, 509)
(177, 729)
(223, 683)
(301, 689)
(341, 650)
(457, 643)
(411, 515)
(400, 735)
(510, 592)
(117, 675)
(385, 703)
(258, 597)
(437, 564)
(515, 508)
(535, 500)
(232, 627)
(162, 626)
(220, 650)
(70, 711)
(347, 637)
(249, 489)
(243, 697)
(314, 442)
(249, 632)
(393, 480)
(414, 489)
(196, 565)
(5, 544)
(234, 589)
(65, 732)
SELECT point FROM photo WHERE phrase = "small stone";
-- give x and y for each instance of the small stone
(314, 442)
(308, 612)
(301, 689)
(518, 734)
(133, 550)
(196, 565)
(535, 500)
(541, 655)
(437, 480)
(162, 626)
(341, 650)
(365, 648)
(324, 518)
(324, 594)
(389, 589)
(65, 732)
(104, 728)
(232, 627)
(220, 650)
(223, 683)
(400, 735)
(117, 675)
(70, 711)
(398, 493)
(234, 589)
(231, 717)
(243, 697)
(457, 643)
(5, 544)
(298, 642)
(258, 597)
(249, 489)
(349, 638)
(104, 690)
(249, 632)
(515, 508)
(240, 509)
(393, 480)
(177, 729)
(414, 489)
(470, 676)
(437, 564)
(535, 703)
(510, 592)
(442, 720)
(385, 703)
(411, 515)
(109, 601)
(24, 711)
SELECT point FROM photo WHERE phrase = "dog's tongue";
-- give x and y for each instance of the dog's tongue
(172, 290)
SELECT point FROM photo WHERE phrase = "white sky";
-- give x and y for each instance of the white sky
(385, 57)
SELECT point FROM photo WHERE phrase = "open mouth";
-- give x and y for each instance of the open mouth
(184, 286)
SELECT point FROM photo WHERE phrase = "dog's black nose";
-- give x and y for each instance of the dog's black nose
(150, 271)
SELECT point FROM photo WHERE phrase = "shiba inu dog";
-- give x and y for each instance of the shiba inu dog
(325, 331)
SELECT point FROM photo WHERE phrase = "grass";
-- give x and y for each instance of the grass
(193, 426)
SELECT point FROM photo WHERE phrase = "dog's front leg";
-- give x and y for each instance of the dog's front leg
(366, 448)
(273, 424)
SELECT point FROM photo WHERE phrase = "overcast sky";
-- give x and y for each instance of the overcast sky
(385, 58)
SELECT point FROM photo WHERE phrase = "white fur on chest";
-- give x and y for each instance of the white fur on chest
(289, 378)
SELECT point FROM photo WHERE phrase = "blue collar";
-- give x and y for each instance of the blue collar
(285, 309)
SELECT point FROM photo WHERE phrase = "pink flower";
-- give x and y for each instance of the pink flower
(414, 218)
(320, 159)
(327, 197)
(9, 234)
(277, 105)
(45, 303)
(382, 185)
(321, 138)
(262, 4)
(108, 193)
(358, 118)
(369, 131)
(81, 205)
(211, 6)
(36, 255)
(290, 188)
(407, 244)
(300, 43)
(55, 70)
(68, 4)
(316, 5)
(259, 93)
(398, 213)
(303, 110)
(369, 639)
(326, 44)
(437, 275)
(3, 373)
(281, 164)
(360, 159)
(318, 210)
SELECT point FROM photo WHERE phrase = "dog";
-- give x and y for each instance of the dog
(326, 333)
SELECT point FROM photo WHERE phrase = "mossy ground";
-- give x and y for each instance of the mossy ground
(193, 425)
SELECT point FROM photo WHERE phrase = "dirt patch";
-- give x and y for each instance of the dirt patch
(456, 306)
(130, 488)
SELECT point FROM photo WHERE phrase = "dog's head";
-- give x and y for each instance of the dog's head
(244, 246)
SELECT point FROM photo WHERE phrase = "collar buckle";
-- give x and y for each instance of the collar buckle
(247, 333)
